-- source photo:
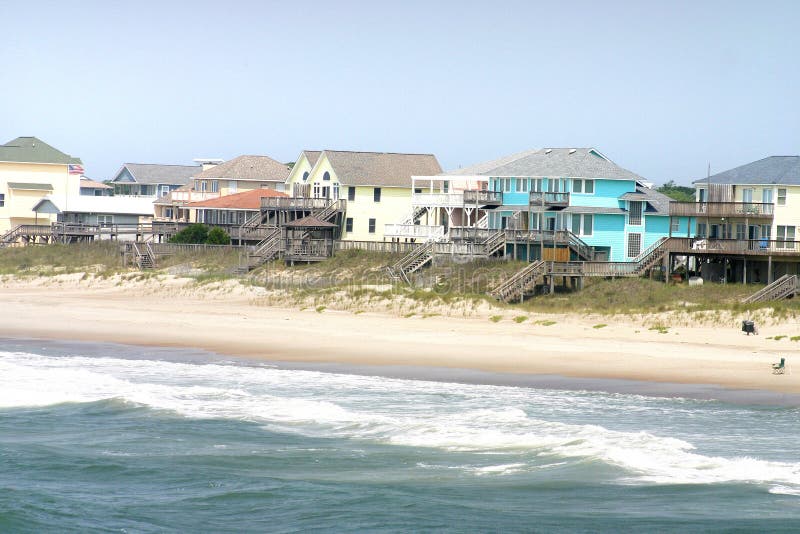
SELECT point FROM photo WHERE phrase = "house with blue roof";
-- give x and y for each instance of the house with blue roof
(579, 192)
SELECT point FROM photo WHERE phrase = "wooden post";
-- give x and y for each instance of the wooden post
(769, 269)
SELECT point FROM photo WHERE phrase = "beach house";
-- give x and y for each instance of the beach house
(744, 222)
(556, 201)
(152, 180)
(238, 175)
(30, 169)
(92, 188)
(376, 186)
(120, 213)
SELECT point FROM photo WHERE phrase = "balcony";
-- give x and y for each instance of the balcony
(749, 210)
(415, 231)
(438, 200)
(186, 196)
(483, 198)
(294, 203)
(541, 199)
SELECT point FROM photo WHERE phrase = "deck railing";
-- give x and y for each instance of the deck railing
(452, 200)
(748, 247)
(722, 209)
(377, 246)
(547, 199)
(297, 203)
(416, 231)
(485, 198)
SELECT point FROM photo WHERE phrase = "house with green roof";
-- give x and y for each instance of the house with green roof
(30, 169)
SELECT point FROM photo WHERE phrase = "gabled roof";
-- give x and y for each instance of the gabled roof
(380, 168)
(261, 168)
(34, 150)
(151, 173)
(92, 204)
(249, 200)
(552, 162)
(312, 156)
(659, 202)
(779, 170)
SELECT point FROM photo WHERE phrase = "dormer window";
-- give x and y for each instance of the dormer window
(326, 176)
(305, 176)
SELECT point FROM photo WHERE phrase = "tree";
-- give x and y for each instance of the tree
(677, 192)
(218, 236)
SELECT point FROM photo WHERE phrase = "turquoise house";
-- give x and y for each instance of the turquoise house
(578, 192)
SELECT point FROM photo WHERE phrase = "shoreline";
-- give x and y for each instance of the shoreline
(230, 322)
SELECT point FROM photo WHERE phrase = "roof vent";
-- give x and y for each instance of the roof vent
(548, 150)
(571, 150)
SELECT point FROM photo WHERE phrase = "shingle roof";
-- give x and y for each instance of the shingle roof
(261, 168)
(658, 201)
(552, 162)
(249, 200)
(34, 150)
(312, 156)
(593, 209)
(88, 183)
(151, 173)
(381, 168)
(781, 170)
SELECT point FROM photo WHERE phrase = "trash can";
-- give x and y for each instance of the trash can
(748, 327)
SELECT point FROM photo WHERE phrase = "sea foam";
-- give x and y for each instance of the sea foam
(451, 417)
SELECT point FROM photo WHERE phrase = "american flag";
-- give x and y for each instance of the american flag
(75, 169)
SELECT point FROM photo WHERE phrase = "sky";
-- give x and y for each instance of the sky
(662, 88)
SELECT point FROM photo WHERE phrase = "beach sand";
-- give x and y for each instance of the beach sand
(228, 319)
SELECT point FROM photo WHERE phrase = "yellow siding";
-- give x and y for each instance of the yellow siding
(395, 204)
(19, 204)
(788, 215)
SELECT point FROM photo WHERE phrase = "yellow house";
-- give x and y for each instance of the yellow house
(239, 175)
(30, 169)
(764, 199)
(376, 185)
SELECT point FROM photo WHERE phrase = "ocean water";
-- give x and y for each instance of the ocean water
(121, 439)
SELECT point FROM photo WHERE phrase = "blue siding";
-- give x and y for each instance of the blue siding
(609, 231)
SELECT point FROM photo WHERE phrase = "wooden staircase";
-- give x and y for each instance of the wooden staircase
(144, 256)
(577, 245)
(782, 288)
(11, 236)
(520, 283)
(411, 262)
(651, 256)
(494, 244)
(266, 250)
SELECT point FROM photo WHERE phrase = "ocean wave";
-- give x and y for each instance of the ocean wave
(451, 417)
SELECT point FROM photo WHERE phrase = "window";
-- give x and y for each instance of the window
(766, 231)
(701, 229)
(203, 186)
(747, 195)
(582, 224)
(740, 231)
(766, 196)
(634, 245)
(351, 193)
(588, 187)
(105, 221)
(2, 200)
(781, 197)
(376, 196)
(233, 186)
(701, 195)
(336, 191)
(635, 213)
(348, 224)
(163, 190)
(305, 176)
(785, 236)
(215, 186)
(522, 185)
(577, 186)
(168, 213)
(536, 185)
(372, 226)
(675, 225)
(555, 185)
(326, 176)
(316, 190)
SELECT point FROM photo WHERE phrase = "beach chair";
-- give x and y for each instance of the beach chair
(779, 368)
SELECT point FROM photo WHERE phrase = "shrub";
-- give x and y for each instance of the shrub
(194, 234)
(218, 236)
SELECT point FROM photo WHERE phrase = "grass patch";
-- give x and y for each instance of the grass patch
(794, 338)
(320, 309)
(661, 329)
(545, 322)
(599, 326)
(496, 318)
(409, 315)
(778, 338)
(520, 318)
